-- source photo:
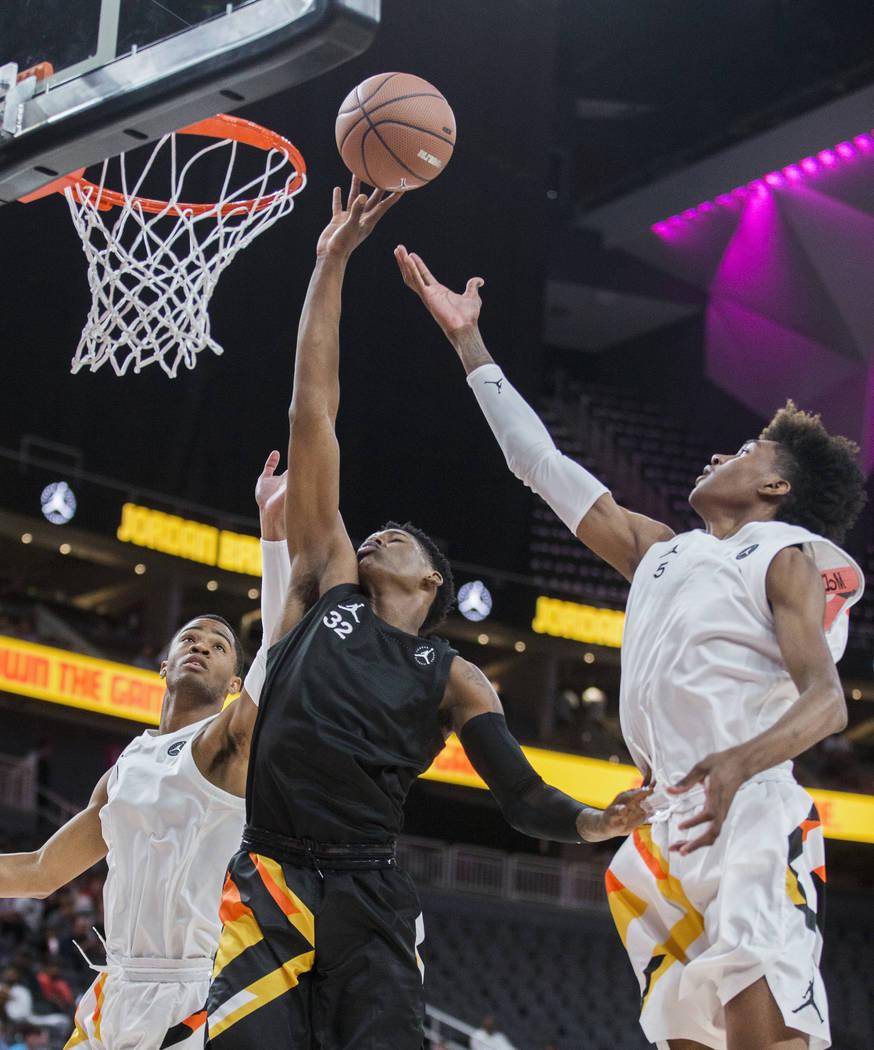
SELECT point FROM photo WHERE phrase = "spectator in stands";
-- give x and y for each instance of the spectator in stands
(486, 1037)
(33, 1037)
(20, 1005)
(55, 990)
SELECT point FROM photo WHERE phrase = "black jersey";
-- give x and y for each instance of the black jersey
(347, 721)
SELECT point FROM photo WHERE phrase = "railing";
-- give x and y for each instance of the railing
(18, 782)
(511, 876)
(441, 1026)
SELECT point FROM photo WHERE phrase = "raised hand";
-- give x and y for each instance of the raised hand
(626, 812)
(349, 226)
(450, 310)
(270, 497)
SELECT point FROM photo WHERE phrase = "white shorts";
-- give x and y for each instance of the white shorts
(699, 929)
(117, 1013)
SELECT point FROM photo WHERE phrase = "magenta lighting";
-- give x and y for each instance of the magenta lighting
(826, 159)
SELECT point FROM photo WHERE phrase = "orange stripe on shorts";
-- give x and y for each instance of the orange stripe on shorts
(281, 895)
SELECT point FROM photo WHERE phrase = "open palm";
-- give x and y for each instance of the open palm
(451, 310)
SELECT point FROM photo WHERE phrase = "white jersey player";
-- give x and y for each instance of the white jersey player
(728, 673)
(167, 817)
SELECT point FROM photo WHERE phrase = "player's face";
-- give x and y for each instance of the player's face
(203, 652)
(394, 553)
(735, 478)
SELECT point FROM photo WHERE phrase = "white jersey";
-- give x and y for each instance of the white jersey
(701, 668)
(170, 835)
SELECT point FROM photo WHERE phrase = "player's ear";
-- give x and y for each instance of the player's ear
(162, 673)
(235, 685)
(777, 487)
(435, 577)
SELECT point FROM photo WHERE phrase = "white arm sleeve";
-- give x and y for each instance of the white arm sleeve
(568, 488)
(275, 577)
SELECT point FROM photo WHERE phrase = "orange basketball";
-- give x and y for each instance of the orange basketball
(395, 131)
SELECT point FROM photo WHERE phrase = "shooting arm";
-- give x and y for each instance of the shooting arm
(70, 851)
(579, 499)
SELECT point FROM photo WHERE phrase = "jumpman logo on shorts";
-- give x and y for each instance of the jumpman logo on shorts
(809, 1001)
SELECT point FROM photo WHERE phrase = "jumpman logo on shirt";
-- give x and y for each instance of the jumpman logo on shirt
(494, 382)
(809, 1001)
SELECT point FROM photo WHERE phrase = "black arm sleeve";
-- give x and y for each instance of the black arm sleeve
(531, 806)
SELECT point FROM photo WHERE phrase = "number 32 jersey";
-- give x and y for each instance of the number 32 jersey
(348, 719)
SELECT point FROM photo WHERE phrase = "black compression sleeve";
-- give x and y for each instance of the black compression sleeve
(531, 806)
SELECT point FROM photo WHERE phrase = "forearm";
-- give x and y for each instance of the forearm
(317, 360)
(817, 713)
(569, 489)
(24, 875)
(529, 805)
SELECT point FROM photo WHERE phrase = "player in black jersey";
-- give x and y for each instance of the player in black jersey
(319, 946)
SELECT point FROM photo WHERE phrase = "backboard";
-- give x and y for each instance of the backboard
(83, 81)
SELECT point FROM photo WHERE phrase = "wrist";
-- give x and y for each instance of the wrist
(469, 345)
(589, 824)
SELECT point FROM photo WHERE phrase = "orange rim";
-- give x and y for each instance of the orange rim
(221, 126)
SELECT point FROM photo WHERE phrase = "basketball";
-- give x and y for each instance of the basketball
(395, 131)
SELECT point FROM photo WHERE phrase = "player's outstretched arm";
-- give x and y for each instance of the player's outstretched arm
(321, 553)
(70, 851)
(472, 709)
(582, 502)
(221, 751)
(795, 593)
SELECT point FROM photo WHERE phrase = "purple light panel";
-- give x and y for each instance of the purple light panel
(808, 167)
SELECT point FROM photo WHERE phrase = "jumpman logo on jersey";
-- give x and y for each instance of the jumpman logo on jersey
(809, 1001)
(494, 382)
(353, 608)
(663, 563)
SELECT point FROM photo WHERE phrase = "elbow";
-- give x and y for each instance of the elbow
(838, 712)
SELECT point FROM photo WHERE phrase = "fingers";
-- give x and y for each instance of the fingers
(408, 271)
(694, 776)
(473, 287)
(271, 464)
(685, 848)
(693, 822)
(354, 191)
(336, 202)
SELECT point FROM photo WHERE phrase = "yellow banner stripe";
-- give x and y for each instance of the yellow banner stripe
(61, 677)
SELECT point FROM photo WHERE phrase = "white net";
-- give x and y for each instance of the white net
(152, 275)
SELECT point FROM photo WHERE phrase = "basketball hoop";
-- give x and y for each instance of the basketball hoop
(152, 270)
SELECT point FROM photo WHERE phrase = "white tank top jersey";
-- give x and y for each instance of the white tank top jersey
(701, 668)
(170, 834)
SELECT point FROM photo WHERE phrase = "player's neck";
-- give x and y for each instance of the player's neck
(180, 710)
(726, 522)
(398, 608)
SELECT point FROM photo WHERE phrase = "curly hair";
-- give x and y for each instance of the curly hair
(827, 484)
(445, 595)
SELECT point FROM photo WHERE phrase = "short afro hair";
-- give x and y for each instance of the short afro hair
(828, 486)
(445, 595)
(239, 652)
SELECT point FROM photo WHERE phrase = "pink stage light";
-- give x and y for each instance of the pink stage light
(843, 153)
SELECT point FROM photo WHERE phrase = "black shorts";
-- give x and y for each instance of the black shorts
(316, 957)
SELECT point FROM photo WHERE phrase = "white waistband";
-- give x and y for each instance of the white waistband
(160, 971)
(661, 806)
